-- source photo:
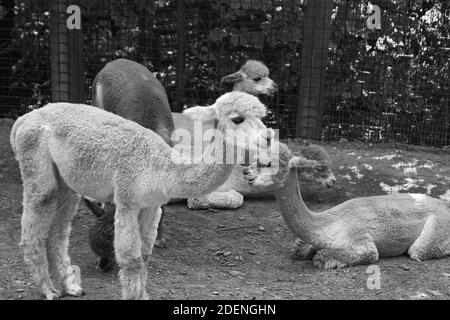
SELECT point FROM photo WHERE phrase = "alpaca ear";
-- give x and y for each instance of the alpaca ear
(302, 163)
(232, 78)
(95, 209)
(201, 113)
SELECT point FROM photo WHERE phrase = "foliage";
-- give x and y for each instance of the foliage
(27, 56)
(392, 83)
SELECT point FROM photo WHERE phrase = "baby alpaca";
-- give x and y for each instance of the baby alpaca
(66, 151)
(101, 234)
(253, 78)
(361, 230)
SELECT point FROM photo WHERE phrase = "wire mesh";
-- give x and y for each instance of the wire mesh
(24, 56)
(391, 84)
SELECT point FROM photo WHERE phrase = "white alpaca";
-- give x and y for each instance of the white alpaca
(360, 230)
(252, 78)
(66, 150)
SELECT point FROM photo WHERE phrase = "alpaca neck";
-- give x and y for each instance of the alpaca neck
(300, 220)
(200, 178)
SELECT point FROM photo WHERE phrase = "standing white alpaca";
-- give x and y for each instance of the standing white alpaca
(66, 150)
(360, 230)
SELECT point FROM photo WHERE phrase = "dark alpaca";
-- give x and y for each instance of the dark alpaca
(101, 234)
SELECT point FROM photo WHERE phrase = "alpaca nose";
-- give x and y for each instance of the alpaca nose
(246, 171)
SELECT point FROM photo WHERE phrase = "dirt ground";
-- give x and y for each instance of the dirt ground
(256, 264)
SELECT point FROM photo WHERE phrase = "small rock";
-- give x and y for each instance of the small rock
(227, 253)
(261, 228)
(251, 252)
(220, 226)
(435, 293)
(215, 293)
(258, 262)
(405, 267)
(241, 218)
(419, 296)
(184, 273)
(219, 253)
(20, 290)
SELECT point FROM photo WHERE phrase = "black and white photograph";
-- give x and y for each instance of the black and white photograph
(235, 152)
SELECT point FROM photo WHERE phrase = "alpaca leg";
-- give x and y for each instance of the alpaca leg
(40, 191)
(36, 221)
(433, 241)
(218, 200)
(331, 258)
(160, 240)
(149, 219)
(302, 250)
(58, 241)
(127, 244)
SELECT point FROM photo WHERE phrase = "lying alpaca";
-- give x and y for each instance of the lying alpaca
(361, 230)
(102, 233)
(237, 187)
(66, 150)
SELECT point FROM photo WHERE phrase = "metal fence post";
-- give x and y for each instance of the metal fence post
(317, 25)
(181, 60)
(66, 56)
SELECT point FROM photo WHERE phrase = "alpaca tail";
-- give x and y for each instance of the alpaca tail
(15, 128)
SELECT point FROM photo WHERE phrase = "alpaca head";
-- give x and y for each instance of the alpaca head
(237, 117)
(313, 163)
(253, 78)
(322, 172)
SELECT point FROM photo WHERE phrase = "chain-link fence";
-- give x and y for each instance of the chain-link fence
(336, 77)
(24, 56)
(392, 83)
(190, 45)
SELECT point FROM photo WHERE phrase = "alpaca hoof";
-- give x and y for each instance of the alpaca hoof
(302, 251)
(196, 204)
(416, 254)
(323, 262)
(106, 264)
(417, 257)
(52, 294)
(75, 291)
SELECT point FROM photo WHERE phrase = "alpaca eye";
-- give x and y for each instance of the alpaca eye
(257, 79)
(238, 120)
(320, 169)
